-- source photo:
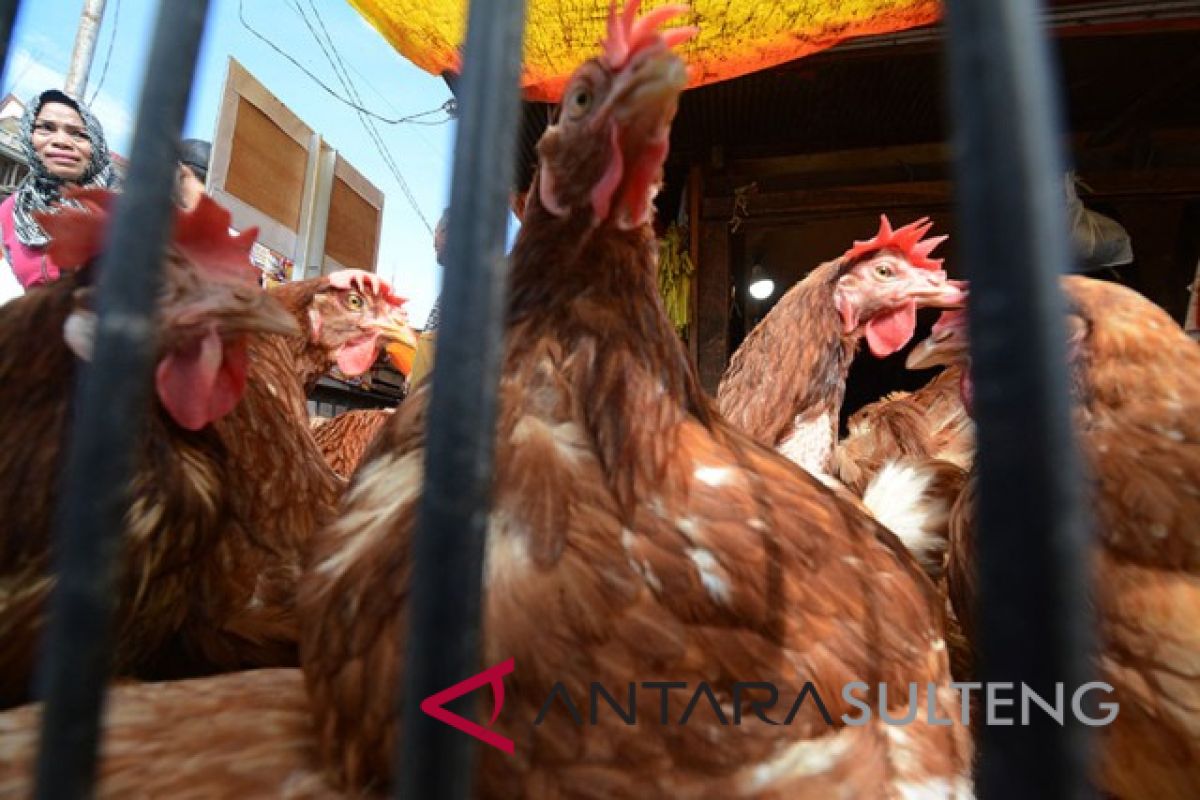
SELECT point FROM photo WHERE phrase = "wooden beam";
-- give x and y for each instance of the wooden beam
(836, 160)
(904, 163)
(1175, 181)
(924, 194)
(934, 195)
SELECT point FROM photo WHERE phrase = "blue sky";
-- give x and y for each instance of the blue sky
(389, 84)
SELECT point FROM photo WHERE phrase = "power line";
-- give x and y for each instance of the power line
(343, 75)
(108, 55)
(449, 108)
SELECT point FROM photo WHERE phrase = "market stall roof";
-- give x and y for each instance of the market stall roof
(735, 38)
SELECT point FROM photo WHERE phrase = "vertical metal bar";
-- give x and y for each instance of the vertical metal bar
(8, 19)
(1034, 619)
(443, 641)
(111, 403)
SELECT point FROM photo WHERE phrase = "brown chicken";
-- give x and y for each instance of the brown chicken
(349, 316)
(634, 534)
(246, 735)
(344, 438)
(929, 423)
(1135, 378)
(209, 310)
(907, 455)
(784, 385)
(230, 483)
(277, 485)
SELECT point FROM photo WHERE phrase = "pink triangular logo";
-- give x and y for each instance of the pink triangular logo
(434, 705)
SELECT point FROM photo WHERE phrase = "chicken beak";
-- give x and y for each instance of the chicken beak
(638, 115)
(646, 93)
(945, 346)
(402, 356)
(938, 292)
(395, 330)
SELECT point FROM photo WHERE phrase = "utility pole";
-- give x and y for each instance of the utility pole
(85, 47)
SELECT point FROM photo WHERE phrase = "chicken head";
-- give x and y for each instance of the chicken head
(948, 344)
(353, 316)
(886, 279)
(604, 153)
(209, 304)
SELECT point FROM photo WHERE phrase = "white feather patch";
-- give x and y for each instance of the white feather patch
(711, 574)
(385, 486)
(713, 476)
(898, 498)
(506, 557)
(935, 789)
(810, 444)
(796, 759)
(79, 332)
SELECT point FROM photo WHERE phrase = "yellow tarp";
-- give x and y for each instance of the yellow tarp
(736, 36)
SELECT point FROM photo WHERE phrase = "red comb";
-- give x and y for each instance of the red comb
(77, 235)
(908, 240)
(628, 35)
(361, 279)
(202, 236)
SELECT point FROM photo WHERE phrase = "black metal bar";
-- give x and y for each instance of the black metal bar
(8, 19)
(1034, 622)
(443, 642)
(111, 403)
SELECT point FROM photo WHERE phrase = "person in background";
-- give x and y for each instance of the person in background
(427, 341)
(193, 172)
(64, 146)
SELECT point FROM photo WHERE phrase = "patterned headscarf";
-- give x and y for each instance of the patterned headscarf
(40, 189)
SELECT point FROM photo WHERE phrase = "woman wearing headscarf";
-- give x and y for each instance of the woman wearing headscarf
(64, 146)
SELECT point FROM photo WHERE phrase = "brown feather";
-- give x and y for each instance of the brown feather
(1136, 385)
(253, 728)
(344, 438)
(674, 548)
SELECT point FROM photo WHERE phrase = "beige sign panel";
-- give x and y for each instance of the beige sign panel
(355, 219)
(276, 173)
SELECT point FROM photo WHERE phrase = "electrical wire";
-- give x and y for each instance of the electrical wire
(329, 48)
(448, 108)
(108, 55)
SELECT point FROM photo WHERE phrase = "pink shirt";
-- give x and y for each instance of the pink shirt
(31, 265)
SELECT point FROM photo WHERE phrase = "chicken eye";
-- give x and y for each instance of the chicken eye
(884, 271)
(354, 301)
(579, 101)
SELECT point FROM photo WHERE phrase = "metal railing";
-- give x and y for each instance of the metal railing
(436, 760)
(8, 18)
(1031, 523)
(112, 400)
(1033, 621)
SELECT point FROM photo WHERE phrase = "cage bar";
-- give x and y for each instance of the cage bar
(8, 19)
(1034, 621)
(443, 640)
(110, 407)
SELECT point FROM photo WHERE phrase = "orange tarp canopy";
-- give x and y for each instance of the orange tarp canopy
(736, 36)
